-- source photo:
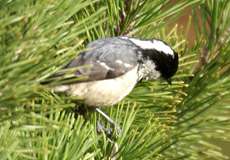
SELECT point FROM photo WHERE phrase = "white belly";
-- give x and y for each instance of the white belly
(105, 92)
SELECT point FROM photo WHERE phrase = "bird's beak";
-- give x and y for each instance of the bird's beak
(169, 81)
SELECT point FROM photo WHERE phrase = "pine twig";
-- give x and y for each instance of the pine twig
(123, 16)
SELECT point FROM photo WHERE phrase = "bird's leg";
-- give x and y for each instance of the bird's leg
(82, 110)
(100, 127)
(106, 116)
(109, 133)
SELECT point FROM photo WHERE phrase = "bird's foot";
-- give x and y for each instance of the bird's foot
(109, 131)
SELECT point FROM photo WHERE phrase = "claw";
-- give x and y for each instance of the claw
(108, 131)
(101, 128)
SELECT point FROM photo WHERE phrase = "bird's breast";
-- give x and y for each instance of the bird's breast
(105, 92)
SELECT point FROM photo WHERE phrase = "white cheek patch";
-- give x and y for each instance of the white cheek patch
(155, 44)
(148, 71)
(155, 74)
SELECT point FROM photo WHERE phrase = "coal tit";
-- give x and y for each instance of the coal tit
(113, 66)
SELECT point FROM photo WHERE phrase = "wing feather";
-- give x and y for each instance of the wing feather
(105, 59)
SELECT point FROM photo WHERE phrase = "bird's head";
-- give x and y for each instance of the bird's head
(158, 60)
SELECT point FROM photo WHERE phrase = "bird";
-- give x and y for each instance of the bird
(112, 67)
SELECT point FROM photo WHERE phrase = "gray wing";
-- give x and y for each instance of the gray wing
(105, 59)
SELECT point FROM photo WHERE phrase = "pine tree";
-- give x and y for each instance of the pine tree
(158, 121)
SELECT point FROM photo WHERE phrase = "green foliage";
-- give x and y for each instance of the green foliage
(158, 121)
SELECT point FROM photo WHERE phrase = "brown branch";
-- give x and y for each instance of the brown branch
(203, 59)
